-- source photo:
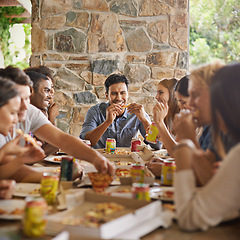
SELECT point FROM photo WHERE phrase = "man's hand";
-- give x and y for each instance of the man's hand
(138, 110)
(103, 165)
(77, 170)
(53, 112)
(112, 112)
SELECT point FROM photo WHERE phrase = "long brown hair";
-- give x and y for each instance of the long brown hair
(172, 102)
(225, 99)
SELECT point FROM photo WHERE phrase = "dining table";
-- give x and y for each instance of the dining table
(12, 229)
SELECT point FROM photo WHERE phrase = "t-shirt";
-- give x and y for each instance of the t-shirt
(123, 128)
(34, 120)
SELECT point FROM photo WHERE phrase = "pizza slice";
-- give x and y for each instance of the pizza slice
(27, 137)
(125, 106)
(100, 180)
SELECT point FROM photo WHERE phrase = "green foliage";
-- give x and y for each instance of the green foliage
(5, 24)
(214, 31)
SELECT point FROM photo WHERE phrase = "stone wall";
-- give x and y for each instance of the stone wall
(83, 41)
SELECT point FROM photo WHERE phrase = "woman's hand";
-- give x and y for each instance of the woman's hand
(13, 147)
(160, 111)
(184, 126)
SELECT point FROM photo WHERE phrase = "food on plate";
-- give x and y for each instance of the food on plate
(2, 212)
(27, 137)
(119, 163)
(99, 214)
(100, 180)
(122, 172)
(35, 191)
(121, 152)
(57, 159)
(17, 211)
(168, 194)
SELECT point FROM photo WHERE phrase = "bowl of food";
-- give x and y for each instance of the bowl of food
(100, 181)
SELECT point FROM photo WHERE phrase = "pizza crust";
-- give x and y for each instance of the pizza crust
(27, 137)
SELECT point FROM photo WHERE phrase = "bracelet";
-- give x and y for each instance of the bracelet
(185, 143)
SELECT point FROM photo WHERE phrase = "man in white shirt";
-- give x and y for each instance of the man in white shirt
(33, 120)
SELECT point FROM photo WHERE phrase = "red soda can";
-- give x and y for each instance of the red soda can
(134, 143)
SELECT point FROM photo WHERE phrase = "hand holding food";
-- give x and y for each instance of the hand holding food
(184, 126)
(112, 112)
(160, 111)
(35, 152)
(137, 109)
(27, 137)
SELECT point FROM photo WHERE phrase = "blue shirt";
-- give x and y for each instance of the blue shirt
(123, 128)
(205, 138)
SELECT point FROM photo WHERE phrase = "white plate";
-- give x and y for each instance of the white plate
(162, 193)
(55, 159)
(9, 206)
(27, 189)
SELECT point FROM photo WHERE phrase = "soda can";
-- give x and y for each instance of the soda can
(137, 172)
(49, 186)
(140, 191)
(110, 145)
(134, 143)
(152, 134)
(168, 172)
(67, 168)
(34, 222)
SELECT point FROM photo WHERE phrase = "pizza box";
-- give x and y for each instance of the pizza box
(149, 177)
(120, 152)
(136, 213)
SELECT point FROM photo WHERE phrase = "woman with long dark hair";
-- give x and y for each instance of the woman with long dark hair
(219, 199)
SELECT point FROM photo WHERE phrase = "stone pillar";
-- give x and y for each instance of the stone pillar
(83, 41)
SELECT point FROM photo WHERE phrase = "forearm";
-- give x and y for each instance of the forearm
(145, 123)
(49, 149)
(27, 174)
(95, 134)
(10, 167)
(166, 138)
(203, 168)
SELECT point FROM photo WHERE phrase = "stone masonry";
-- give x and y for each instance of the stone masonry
(83, 41)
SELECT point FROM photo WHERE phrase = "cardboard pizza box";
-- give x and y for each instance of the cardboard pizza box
(136, 213)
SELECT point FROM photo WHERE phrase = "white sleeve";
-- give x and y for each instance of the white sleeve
(215, 202)
(35, 119)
